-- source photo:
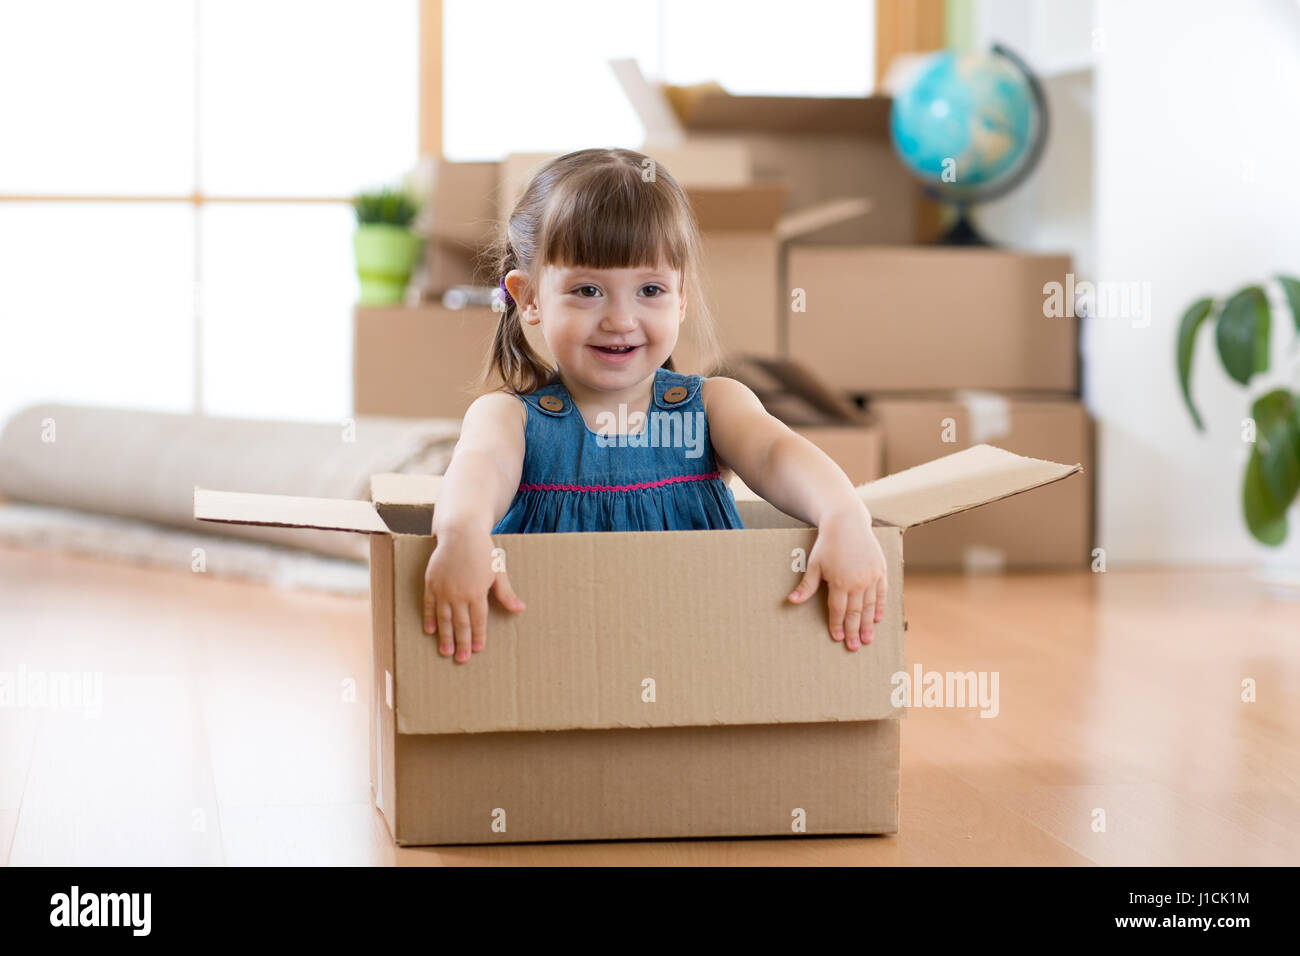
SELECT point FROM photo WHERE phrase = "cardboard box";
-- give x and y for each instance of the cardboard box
(790, 392)
(1051, 529)
(419, 362)
(459, 225)
(891, 319)
(658, 685)
(822, 148)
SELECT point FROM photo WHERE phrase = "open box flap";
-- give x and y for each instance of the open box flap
(672, 113)
(707, 107)
(829, 213)
(287, 511)
(958, 482)
(396, 489)
(773, 379)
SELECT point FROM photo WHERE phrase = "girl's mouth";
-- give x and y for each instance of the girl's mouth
(615, 353)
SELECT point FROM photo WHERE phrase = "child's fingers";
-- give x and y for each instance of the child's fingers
(812, 580)
(882, 591)
(446, 633)
(430, 618)
(868, 614)
(853, 620)
(505, 593)
(464, 632)
(835, 604)
(478, 623)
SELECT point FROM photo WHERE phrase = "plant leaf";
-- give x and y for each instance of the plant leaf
(1187, 329)
(1292, 289)
(392, 206)
(1266, 521)
(1242, 334)
(1277, 438)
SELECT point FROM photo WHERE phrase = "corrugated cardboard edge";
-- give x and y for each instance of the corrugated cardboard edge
(967, 479)
(384, 769)
(287, 511)
(662, 127)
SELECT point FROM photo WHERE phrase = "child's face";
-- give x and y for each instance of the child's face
(586, 315)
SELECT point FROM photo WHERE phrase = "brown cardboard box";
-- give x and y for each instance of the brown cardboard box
(419, 362)
(890, 319)
(790, 392)
(822, 148)
(740, 270)
(460, 224)
(658, 685)
(1051, 529)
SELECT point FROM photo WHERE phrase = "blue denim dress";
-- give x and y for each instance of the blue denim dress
(664, 478)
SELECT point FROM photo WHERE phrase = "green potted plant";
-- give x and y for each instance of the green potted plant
(385, 245)
(1242, 324)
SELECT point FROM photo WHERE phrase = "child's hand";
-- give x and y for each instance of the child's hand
(456, 585)
(848, 557)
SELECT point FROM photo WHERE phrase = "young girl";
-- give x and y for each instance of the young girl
(600, 255)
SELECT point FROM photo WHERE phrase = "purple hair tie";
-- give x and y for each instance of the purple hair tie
(505, 293)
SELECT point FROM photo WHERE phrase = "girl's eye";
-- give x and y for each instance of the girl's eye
(581, 287)
(660, 290)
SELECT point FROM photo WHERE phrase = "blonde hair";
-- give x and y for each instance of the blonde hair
(598, 209)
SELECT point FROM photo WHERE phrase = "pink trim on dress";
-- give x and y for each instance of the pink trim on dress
(531, 486)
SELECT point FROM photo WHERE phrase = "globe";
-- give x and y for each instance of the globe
(970, 126)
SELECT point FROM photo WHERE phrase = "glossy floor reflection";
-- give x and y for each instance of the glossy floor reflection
(234, 727)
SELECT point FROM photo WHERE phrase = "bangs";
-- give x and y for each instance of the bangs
(609, 218)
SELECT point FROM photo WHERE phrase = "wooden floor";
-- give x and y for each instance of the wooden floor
(232, 737)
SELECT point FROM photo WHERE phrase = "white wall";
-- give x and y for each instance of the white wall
(1052, 210)
(1197, 191)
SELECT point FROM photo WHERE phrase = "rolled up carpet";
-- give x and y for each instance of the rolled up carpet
(144, 464)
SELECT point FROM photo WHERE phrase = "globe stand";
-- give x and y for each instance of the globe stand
(962, 233)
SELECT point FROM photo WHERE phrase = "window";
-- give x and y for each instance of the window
(175, 231)
(534, 77)
(174, 182)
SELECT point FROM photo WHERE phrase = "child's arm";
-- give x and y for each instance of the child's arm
(800, 479)
(481, 480)
(476, 492)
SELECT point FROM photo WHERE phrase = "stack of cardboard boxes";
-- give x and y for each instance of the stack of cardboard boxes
(948, 348)
(810, 226)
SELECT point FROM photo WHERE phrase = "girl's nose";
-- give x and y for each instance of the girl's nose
(618, 318)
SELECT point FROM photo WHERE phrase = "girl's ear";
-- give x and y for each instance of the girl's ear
(518, 286)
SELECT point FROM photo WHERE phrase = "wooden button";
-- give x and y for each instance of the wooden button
(552, 403)
(675, 394)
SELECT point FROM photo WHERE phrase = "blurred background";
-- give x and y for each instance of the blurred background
(181, 183)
